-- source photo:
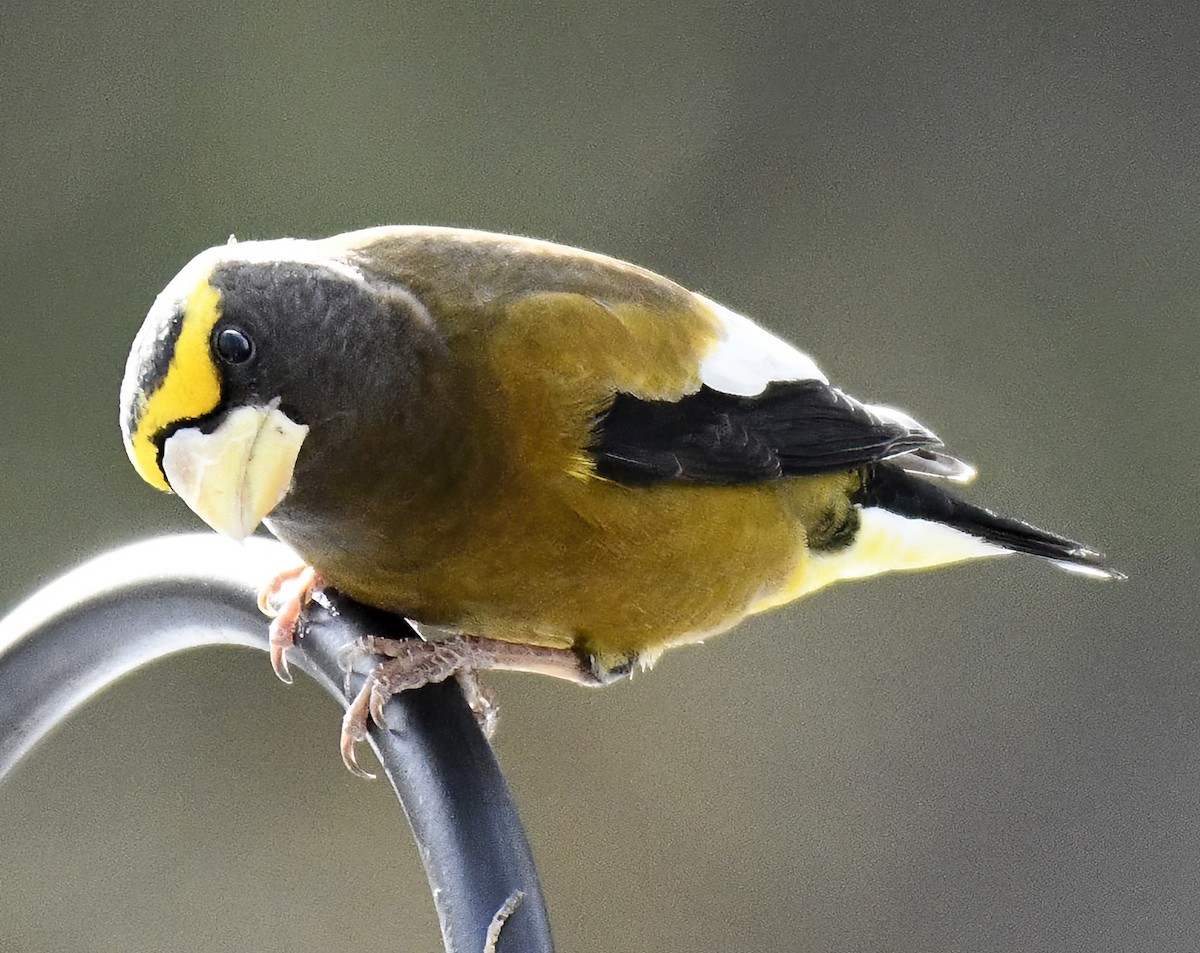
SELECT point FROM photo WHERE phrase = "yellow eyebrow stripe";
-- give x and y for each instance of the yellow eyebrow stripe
(191, 387)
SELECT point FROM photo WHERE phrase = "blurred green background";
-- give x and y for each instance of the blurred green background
(985, 214)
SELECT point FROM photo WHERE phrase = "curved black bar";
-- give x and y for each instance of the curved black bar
(143, 602)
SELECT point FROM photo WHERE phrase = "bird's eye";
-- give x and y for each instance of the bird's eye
(234, 346)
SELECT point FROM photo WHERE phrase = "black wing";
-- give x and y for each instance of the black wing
(793, 428)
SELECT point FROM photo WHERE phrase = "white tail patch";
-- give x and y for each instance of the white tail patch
(885, 542)
(1094, 572)
(934, 463)
(749, 357)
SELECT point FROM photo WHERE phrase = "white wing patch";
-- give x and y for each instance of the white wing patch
(749, 358)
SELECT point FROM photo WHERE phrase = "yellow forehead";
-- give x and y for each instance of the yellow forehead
(190, 388)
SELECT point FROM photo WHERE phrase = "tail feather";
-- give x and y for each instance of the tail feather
(898, 491)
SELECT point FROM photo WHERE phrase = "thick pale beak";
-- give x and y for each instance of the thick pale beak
(233, 477)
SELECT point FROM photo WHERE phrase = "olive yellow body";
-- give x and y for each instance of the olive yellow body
(512, 534)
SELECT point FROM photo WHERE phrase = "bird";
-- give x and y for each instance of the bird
(557, 461)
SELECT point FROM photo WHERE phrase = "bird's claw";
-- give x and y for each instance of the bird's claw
(367, 705)
(281, 639)
(377, 702)
(354, 730)
(480, 700)
(284, 600)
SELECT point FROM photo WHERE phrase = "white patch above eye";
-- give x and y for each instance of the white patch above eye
(300, 251)
(297, 250)
(749, 357)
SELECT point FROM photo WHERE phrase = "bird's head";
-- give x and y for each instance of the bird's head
(255, 352)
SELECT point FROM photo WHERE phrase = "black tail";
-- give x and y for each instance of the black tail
(887, 486)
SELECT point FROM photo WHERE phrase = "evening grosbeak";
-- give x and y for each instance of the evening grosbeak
(569, 462)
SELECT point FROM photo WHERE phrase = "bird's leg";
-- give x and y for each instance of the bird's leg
(411, 663)
(284, 600)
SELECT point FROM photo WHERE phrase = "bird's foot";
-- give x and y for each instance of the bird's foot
(411, 663)
(479, 698)
(407, 664)
(284, 600)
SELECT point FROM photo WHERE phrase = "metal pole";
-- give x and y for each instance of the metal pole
(140, 603)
